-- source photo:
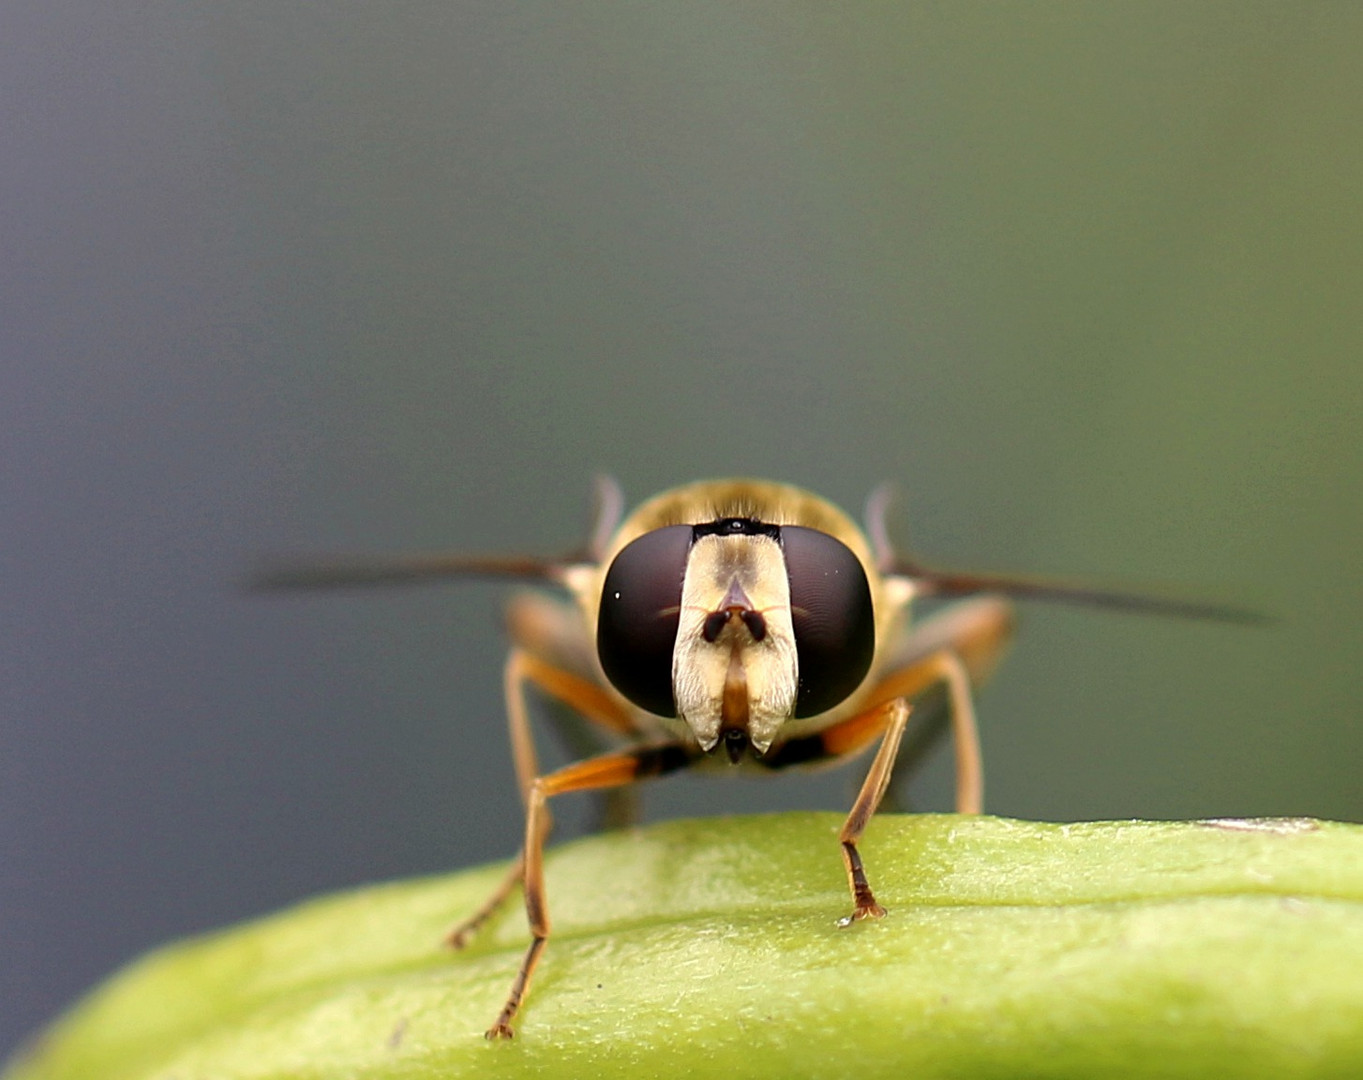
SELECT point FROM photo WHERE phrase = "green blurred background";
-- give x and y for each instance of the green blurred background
(1083, 280)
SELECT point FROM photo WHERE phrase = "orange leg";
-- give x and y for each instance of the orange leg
(946, 668)
(850, 736)
(864, 906)
(588, 699)
(953, 650)
(885, 720)
(594, 774)
(957, 648)
(462, 932)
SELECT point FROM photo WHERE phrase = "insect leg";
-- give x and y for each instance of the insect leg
(884, 719)
(585, 697)
(554, 631)
(955, 650)
(947, 669)
(588, 699)
(605, 771)
(868, 798)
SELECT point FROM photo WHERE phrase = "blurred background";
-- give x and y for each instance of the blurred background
(1084, 281)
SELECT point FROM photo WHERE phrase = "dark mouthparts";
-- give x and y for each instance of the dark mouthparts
(735, 744)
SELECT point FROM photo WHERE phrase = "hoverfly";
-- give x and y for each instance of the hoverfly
(731, 622)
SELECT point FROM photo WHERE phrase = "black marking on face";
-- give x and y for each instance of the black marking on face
(715, 623)
(736, 526)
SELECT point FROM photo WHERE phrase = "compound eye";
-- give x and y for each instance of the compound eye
(636, 628)
(830, 608)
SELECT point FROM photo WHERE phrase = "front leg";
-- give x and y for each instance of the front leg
(595, 774)
(885, 720)
(864, 904)
(954, 650)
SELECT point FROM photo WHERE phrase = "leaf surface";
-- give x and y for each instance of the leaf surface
(710, 948)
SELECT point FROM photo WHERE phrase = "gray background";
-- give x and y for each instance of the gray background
(1083, 280)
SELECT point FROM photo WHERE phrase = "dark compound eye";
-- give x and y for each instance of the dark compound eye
(636, 628)
(835, 626)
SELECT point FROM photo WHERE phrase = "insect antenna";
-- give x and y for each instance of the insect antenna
(929, 582)
(347, 572)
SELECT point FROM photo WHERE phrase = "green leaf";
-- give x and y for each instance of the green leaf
(710, 948)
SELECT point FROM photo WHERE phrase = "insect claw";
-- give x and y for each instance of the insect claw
(865, 909)
(458, 938)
